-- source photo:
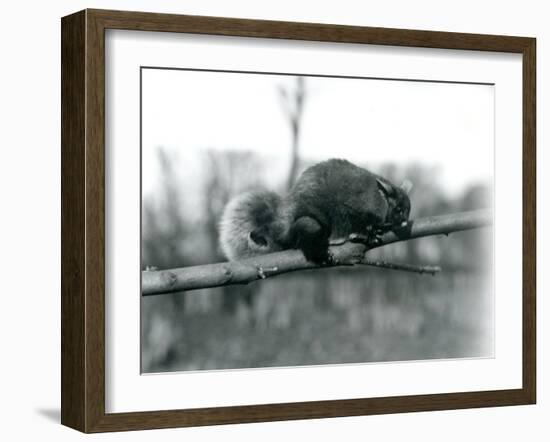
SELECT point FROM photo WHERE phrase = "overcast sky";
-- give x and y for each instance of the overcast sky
(445, 126)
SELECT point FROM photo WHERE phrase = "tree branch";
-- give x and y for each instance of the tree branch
(430, 270)
(264, 266)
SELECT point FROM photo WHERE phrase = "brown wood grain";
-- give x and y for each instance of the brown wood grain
(83, 220)
(529, 221)
(73, 400)
(95, 222)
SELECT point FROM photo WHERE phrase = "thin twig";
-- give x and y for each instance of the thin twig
(430, 270)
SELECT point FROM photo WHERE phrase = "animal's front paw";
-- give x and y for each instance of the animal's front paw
(373, 238)
(359, 238)
(330, 259)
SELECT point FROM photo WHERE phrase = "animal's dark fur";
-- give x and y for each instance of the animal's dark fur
(330, 201)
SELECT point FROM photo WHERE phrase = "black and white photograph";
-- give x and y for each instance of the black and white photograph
(259, 221)
(293, 219)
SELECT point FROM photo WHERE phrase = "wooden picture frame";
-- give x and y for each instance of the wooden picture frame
(83, 220)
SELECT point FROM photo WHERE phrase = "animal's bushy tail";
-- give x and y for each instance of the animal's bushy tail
(249, 224)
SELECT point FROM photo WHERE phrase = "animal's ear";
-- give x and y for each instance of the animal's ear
(384, 186)
(407, 186)
(258, 238)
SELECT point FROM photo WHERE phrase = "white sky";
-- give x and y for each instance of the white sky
(449, 127)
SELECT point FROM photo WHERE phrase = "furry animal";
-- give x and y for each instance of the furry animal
(331, 202)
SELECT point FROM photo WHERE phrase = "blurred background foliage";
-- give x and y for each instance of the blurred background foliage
(339, 315)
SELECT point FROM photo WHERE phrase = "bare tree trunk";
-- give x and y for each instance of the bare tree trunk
(294, 105)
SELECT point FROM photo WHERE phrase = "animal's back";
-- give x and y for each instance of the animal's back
(340, 195)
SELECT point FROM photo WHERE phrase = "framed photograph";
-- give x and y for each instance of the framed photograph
(270, 220)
